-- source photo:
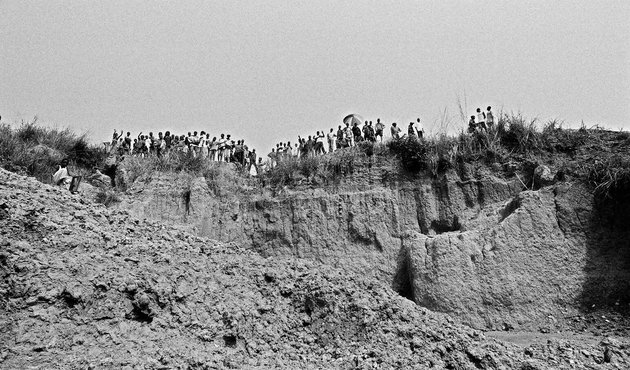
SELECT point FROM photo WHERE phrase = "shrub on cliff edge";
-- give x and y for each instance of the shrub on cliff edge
(35, 150)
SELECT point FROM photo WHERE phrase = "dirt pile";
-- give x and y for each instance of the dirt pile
(84, 286)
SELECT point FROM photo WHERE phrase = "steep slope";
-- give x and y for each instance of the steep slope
(541, 255)
(88, 287)
(359, 228)
(481, 248)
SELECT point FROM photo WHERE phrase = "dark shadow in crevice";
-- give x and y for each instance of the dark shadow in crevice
(510, 208)
(229, 340)
(445, 226)
(403, 282)
(603, 226)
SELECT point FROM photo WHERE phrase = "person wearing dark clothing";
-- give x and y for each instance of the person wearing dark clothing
(356, 132)
(472, 125)
(341, 142)
(168, 140)
(127, 143)
(252, 161)
(419, 129)
(319, 143)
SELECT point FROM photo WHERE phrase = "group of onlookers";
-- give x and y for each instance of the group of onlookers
(482, 121)
(345, 136)
(222, 149)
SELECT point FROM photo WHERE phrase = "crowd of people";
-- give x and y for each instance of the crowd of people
(221, 149)
(225, 149)
(482, 121)
(347, 135)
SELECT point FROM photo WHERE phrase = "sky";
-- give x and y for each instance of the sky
(267, 71)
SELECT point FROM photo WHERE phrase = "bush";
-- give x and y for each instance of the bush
(412, 153)
(611, 177)
(328, 168)
(35, 150)
(517, 134)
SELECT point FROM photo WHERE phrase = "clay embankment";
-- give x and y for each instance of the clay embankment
(482, 248)
(83, 286)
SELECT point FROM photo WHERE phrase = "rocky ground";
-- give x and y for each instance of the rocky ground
(87, 287)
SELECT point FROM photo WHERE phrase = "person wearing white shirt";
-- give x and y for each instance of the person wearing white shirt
(222, 142)
(332, 140)
(203, 144)
(213, 148)
(481, 119)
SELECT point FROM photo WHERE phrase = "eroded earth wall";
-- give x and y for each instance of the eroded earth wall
(482, 249)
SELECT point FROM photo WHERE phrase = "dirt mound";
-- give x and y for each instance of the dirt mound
(84, 286)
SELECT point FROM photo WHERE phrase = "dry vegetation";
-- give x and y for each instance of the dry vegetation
(222, 178)
(35, 150)
(595, 155)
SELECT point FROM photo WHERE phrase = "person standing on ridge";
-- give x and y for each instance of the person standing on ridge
(252, 162)
(419, 128)
(272, 158)
(221, 147)
(148, 142)
(489, 117)
(366, 129)
(356, 132)
(319, 143)
(347, 135)
(370, 132)
(481, 119)
(472, 125)
(395, 130)
(116, 136)
(411, 131)
(213, 148)
(379, 127)
(341, 143)
(332, 141)
(168, 141)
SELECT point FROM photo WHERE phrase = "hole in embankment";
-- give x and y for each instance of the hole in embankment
(445, 226)
(186, 200)
(70, 299)
(402, 283)
(229, 340)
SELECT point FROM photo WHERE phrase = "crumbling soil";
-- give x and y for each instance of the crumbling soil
(87, 287)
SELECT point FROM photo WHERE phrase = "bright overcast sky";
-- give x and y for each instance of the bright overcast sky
(267, 71)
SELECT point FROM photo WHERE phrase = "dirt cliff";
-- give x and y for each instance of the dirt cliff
(482, 247)
(84, 286)
(536, 256)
